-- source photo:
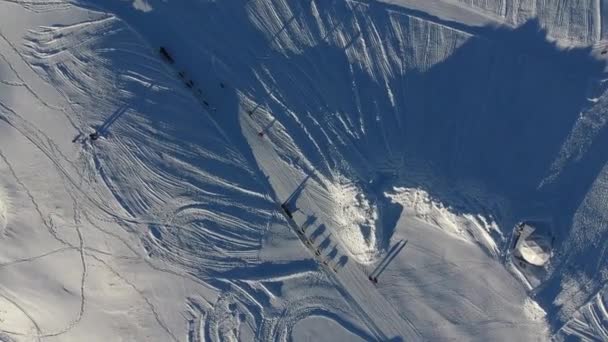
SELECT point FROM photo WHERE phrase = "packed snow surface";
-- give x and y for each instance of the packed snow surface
(302, 170)
(3, 210)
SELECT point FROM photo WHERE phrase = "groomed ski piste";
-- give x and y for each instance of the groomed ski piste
(302, 170)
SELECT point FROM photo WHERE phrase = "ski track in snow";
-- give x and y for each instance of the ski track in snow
(50, 55)
(46, 47)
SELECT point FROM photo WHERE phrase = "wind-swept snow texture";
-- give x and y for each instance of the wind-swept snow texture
(327, 170)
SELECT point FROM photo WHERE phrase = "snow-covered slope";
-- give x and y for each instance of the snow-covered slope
(407, 139)
(574, 22)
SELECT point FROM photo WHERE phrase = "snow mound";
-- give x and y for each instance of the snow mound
(356, 217)
(466, 226)
(142, 5)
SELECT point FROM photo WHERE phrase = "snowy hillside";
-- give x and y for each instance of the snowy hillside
(303, 170)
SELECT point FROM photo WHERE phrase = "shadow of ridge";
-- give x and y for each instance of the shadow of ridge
(522, 39)
(532, 105)
(495, 113)
(583, 257)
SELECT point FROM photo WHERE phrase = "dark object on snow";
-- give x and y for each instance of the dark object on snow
(286, 210)
(206, 103)
(94, 136)
(181, 74)
(261, 134)
(222, 85)
(604, 52)
(190, 83)
(166, 56)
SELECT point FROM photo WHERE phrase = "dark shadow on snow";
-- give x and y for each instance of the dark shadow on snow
(494, 113)
(102, 130)
(388, 258)
(310, 220)
(291, 201)
(318, 232)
